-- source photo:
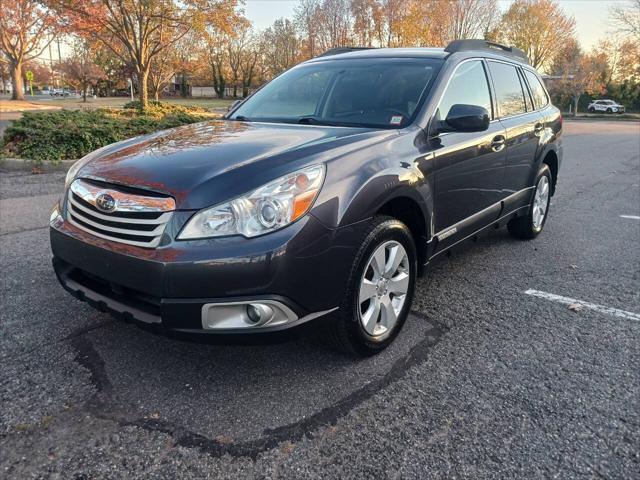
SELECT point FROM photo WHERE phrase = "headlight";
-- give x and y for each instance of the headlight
(269, 208)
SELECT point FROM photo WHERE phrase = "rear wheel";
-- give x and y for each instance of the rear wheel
(380, 290)
(592, 110)
(530, 225)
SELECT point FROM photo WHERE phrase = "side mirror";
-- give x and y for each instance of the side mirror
(234, 105)
(465, 118)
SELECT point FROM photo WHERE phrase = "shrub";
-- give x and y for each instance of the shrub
(157, 109)
(71, 134)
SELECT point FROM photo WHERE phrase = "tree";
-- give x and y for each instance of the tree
(623, 76)
(216, 53)
(626, 18)
(116, 71)
(580, 73)
(236, 51)
(164, 68)
(26, 29)
(40, 71)
(249, 64)
(305, 20)
(280, 46)
(80, 70)
(367, 21)
(140, 30)
(472, 18)
(538, 27)
(5, 76)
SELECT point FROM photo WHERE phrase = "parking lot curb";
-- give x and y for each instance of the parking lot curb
(22, 165)
(594, 118)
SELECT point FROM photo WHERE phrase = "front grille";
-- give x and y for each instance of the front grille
(135, 219)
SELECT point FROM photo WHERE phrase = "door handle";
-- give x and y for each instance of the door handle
(497, 143)
(538, 128)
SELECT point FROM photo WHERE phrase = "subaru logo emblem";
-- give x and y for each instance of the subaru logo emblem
(105, 203)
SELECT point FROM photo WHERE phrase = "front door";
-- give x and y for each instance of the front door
(469, 167)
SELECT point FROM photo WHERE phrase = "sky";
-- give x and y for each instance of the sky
(591, 15)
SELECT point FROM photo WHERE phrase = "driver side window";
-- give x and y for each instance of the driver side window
(467, 86)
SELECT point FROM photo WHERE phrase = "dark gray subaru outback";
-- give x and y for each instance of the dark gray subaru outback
(322, 196)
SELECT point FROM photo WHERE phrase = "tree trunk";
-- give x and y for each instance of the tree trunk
(84, 93)
(143, 89)
(17, 82)
(575, 110)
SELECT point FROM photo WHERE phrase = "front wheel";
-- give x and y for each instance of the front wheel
(530, 225)
(379, 290)
(609, 110)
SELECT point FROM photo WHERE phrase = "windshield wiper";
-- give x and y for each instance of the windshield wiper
(241, 118)
(316, 121)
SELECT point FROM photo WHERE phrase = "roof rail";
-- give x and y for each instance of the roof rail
(338, 50)
(466, 45)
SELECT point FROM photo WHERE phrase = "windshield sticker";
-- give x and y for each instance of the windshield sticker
(396, 120)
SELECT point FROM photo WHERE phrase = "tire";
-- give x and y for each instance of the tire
(347, 330)
(592, 110)
(609, 110)
(530, 225)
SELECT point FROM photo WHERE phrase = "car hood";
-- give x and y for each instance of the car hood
(207, 163)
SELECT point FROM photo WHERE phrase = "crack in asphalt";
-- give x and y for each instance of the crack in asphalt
(15, 354)
(104, 405)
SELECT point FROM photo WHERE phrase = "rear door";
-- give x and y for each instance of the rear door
(469, 165)
(523, 126)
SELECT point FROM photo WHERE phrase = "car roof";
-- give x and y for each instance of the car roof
(382, 53)
(414, 52)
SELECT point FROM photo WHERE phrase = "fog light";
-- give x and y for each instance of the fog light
(259, 313)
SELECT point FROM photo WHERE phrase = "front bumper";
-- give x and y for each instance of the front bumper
(301, 270)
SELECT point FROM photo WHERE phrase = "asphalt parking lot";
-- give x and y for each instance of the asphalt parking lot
(485, 381)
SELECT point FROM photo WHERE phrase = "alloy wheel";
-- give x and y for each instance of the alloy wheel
(541, 202)
(383, 288)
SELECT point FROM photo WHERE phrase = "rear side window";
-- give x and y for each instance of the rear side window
(527, 97)
(468, 86)
(537, 90)
(509, 94)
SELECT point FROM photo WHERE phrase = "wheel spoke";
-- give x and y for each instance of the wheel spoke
(389, 316)
(396, 255)
(367, 290)
(536, 216)
(543, 190)
(370, 317)
(378, 262)
(399, 283)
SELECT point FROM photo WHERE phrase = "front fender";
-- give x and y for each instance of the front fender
(363, 195)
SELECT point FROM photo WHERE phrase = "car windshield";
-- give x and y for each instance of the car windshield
(377, 93)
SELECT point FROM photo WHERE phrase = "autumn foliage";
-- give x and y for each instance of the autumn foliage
(26, 29)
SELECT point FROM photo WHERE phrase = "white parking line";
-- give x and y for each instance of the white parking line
(632, 217)
(592, 306)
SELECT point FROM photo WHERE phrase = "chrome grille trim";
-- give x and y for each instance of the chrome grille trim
(121, 225)
(162, 218)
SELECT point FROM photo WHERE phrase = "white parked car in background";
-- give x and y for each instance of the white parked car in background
(606, 106)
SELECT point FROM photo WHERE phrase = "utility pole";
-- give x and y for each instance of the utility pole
(52, 76)
(60, 63)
